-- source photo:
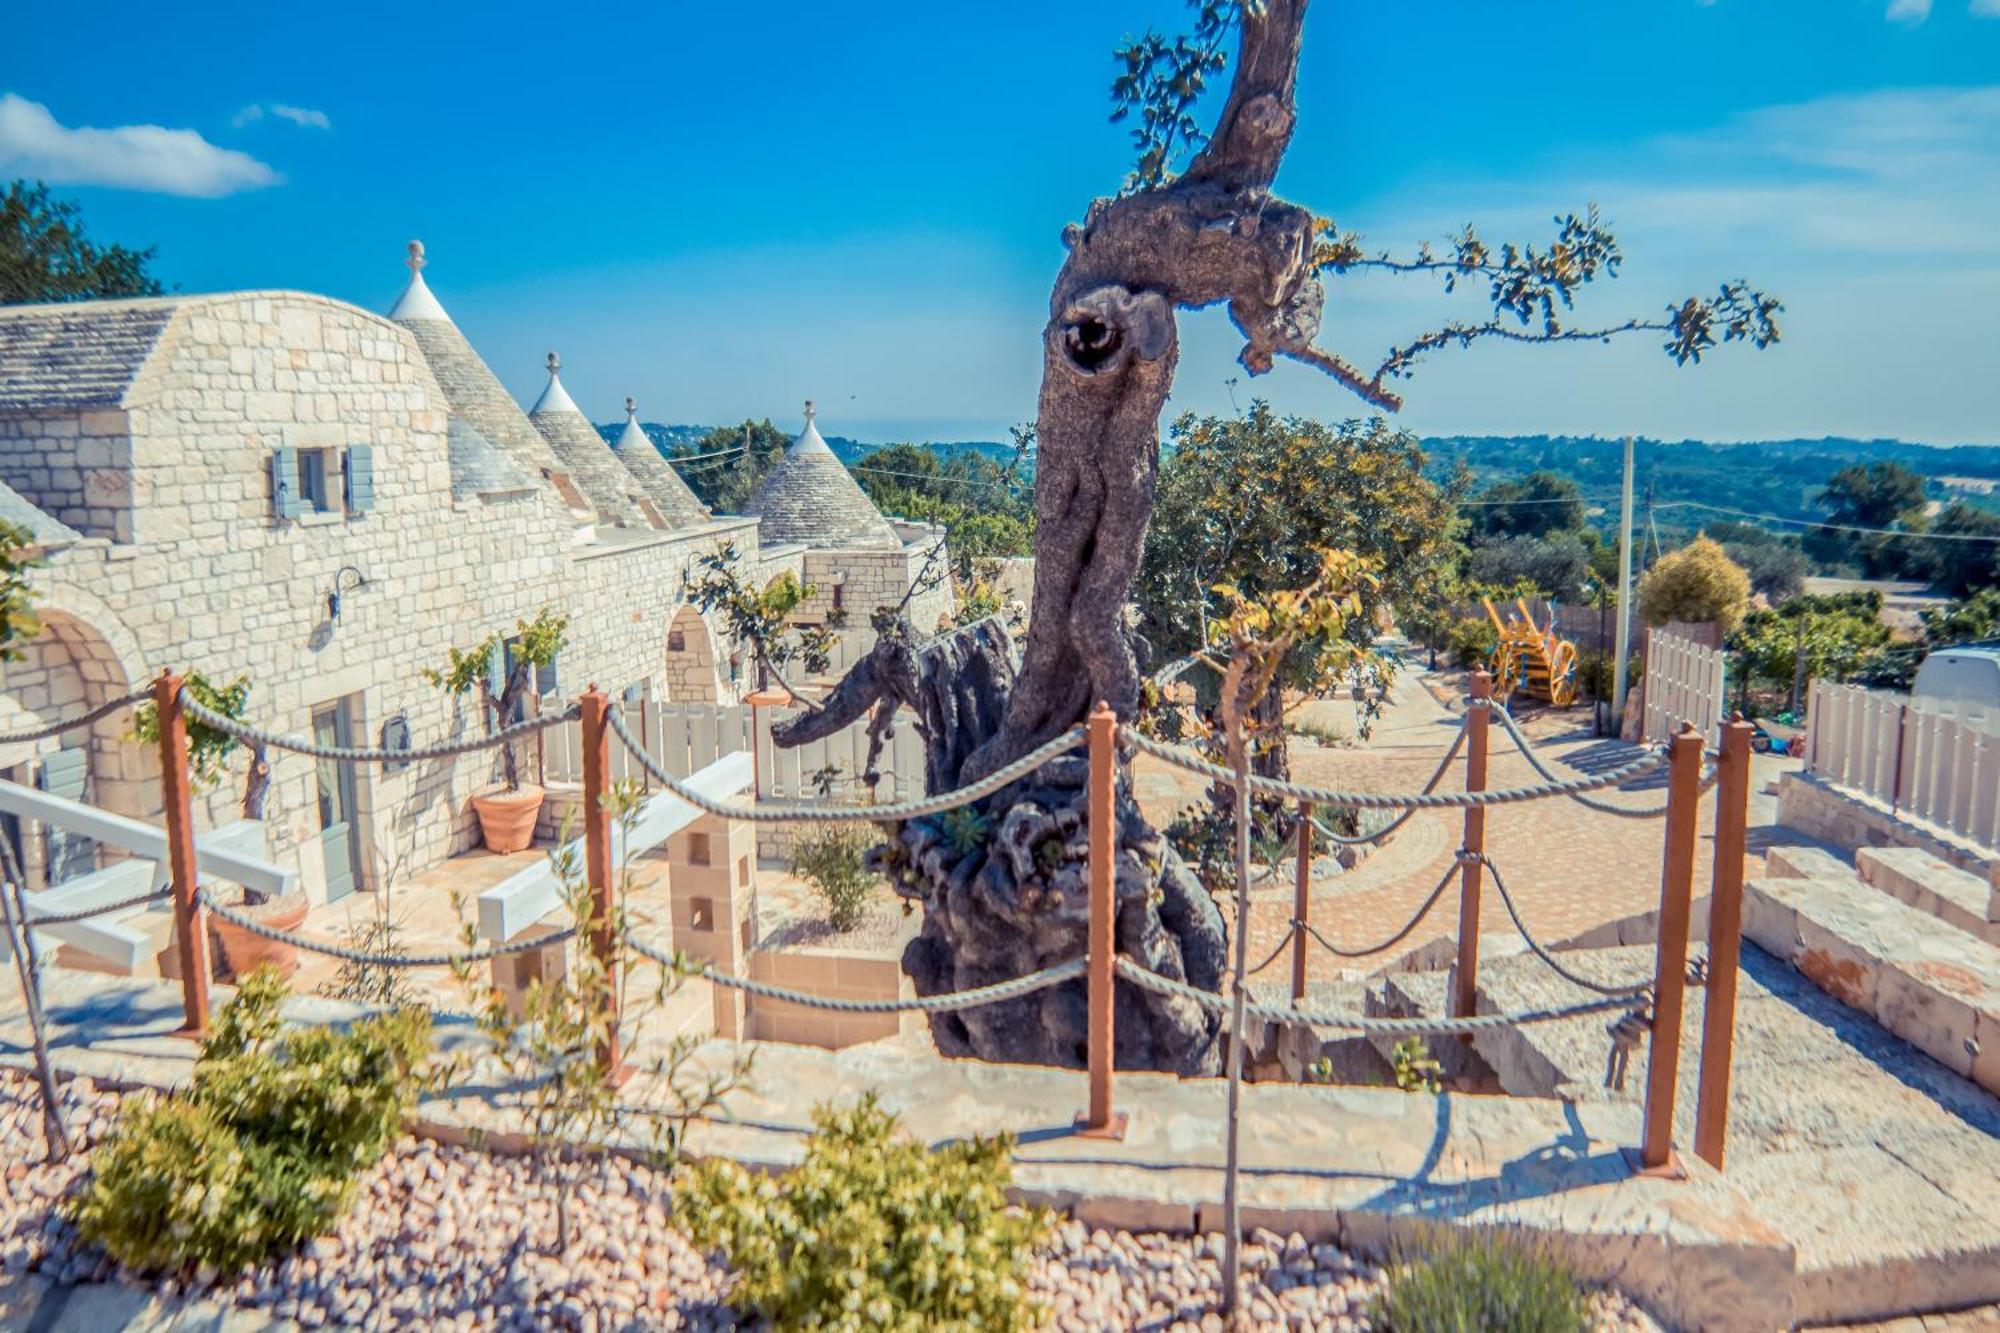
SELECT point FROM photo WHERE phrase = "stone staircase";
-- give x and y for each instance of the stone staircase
(1899, 936)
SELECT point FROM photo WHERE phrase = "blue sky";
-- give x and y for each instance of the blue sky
(723, 209)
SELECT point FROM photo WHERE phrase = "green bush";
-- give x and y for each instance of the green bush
(834, 860)
(1471, 641)
(871, 1231)
(262, 1151)
(1478, 1283)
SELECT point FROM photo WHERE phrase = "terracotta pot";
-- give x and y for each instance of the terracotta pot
(507, 818)
(242, 953)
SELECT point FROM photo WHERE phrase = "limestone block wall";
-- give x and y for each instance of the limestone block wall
(77, 466)
(835, 973)
(1815, 807)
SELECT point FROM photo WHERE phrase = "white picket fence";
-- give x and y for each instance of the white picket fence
(1924, 763)
(686, 738)
(1684, 683)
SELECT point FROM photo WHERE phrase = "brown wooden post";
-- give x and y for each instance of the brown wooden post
(1725, 942)
(190, 921)
(1478, 719)
(1302, 900)
(1663, 1056)
(1100, 1121)
(597, 859)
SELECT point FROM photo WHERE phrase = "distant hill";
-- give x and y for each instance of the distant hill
(1778, 477)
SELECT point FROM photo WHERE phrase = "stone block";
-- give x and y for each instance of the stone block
(1933, 1020)
(1933, 886)
(1805, 863)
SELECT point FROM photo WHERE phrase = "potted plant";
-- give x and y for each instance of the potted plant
(239, 952)
(500, 669)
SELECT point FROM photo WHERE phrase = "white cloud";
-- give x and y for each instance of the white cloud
(130, 157)
(1986, 9)
(298, 115)
(1909, 11)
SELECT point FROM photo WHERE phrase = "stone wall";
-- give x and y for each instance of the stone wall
(77, 466)
(1820, 810)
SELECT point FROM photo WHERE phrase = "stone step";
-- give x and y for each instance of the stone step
(1807, 862)
(1934, 886)
(1929, 983)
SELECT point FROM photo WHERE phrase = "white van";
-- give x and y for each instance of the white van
(1963, 680)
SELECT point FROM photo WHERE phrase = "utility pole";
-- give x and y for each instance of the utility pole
(1622, 662)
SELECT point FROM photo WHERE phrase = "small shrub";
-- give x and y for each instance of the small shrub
(1699, 583)
(1471, 641)
(1330, 734)
(263, 1149)
(871, 1231)
(1479, 1283)
(834, 860)
(1415, 1070)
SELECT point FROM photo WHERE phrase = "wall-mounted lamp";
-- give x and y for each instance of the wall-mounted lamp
(340, 583)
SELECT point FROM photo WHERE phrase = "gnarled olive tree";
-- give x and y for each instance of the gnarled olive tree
(1003, 890)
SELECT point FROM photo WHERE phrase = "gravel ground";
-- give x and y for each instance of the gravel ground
(443, 1238)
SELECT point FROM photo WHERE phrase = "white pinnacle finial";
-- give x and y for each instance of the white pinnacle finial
(631, 407)
(809, 411)
(555, 364)
(416, 259)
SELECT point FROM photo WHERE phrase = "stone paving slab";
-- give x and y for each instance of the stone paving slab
(1876, 1163)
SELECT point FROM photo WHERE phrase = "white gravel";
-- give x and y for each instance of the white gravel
(449, 1238)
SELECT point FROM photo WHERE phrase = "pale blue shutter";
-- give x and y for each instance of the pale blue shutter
(64, 773)
(546, 680)
(285, 499)
(360, 478)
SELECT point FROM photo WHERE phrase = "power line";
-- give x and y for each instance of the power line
(1835, 527)
(696, 458)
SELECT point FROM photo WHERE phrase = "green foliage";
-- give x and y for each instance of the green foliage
(18, 621)
(872, 1231)
(964, 828)
(1834, 636)
(986, 508)
(1160, 81)
(1556, 566)
(534, 643)
(1885, 495)
(833, 858)
(1958, 566)
(1541, 504)
(1470, 641)
(551, 1042)
(263, 1150)
(761, 617)
(1415, 1070)
(1973, 617)
(1698, 583)
(208, 748)
(747, 453)
(1477, 1283)
(1777, 569)
(46, 255)
(1250, 503)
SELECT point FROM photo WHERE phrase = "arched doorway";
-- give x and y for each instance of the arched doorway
(695, 672)
(72, 666)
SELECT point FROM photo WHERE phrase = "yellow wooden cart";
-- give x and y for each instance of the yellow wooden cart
(1530, 658)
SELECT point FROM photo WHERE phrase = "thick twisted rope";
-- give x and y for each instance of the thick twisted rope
(1535, 761)
(123, 904)
(848, 814)
(1011, 989)
(360, 754)
(1357, 1023)
(1373, 800)
(103, 710)
(1536, 947)
(1273, 956)
(366, 959)
(1437, 776)
(1423, 911)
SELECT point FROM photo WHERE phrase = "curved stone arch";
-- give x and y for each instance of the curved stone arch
(695, 665)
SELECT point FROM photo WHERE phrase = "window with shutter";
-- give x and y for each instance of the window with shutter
(546, 678)
(285, 498)
(360, 478)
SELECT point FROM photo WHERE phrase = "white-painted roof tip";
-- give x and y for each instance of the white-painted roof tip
(632, 437)
(416, 302)
(554, 398)
(809, 439)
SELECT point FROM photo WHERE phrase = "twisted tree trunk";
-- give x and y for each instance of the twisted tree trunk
(1006, 894)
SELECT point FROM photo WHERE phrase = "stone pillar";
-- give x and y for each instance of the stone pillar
(514, 973)
(712, 882)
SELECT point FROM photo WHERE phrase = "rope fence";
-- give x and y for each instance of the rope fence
(1535, 760)
(123, 904)
(365, 958)
(363, 754)
(103, 710)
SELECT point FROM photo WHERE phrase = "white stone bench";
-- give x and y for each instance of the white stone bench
(525, 897)
(1934, 886)
(1929, 983)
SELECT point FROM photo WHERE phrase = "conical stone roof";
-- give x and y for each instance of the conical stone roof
(471, 391)
(811, 497)
(608, 485)
(655, 475)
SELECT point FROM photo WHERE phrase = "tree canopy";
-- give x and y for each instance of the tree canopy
(983, 506)
(1698, 583)
(1252, 502)
(46, 254)
(745, 456)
